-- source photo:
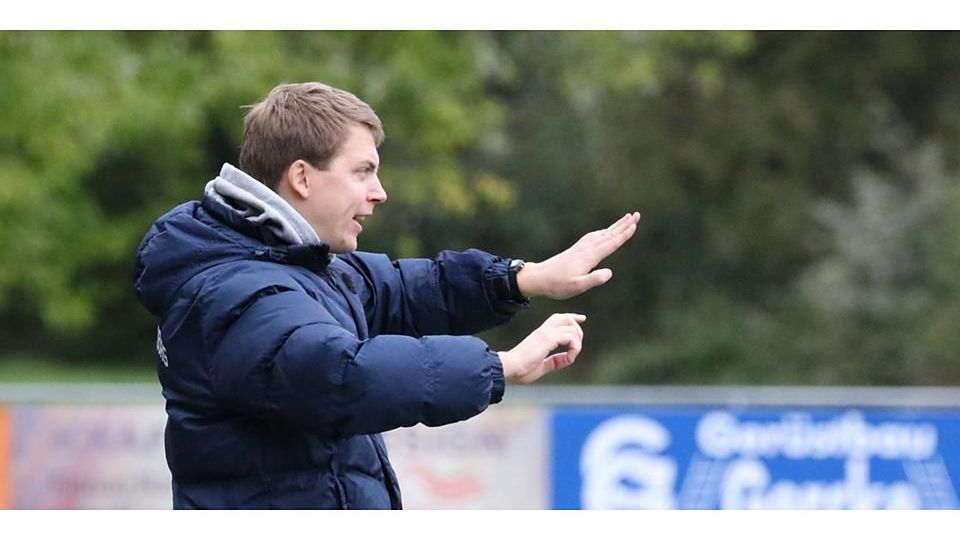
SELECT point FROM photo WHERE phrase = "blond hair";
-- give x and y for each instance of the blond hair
(305, 121)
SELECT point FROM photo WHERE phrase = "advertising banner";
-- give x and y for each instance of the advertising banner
(755, 458)
(496, 460)
(531, 457)
(90, 457)
(112, 457)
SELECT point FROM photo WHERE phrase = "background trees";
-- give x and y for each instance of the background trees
(799, 189)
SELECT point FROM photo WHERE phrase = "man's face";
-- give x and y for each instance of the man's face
(346, 192)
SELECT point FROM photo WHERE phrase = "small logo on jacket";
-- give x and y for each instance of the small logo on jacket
(161, 350)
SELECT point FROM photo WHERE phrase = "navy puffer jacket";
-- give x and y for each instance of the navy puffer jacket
(280, 368)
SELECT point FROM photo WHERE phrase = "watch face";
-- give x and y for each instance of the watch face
(516, 264)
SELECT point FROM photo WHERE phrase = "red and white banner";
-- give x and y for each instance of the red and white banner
(112, 457)
(4, 458)
(496, 460)
(91, 457)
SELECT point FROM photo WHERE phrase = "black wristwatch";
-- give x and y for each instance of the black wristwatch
(515, 266)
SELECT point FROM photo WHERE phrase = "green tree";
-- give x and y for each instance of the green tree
(799, 189)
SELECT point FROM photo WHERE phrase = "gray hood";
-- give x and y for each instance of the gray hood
(256, 202)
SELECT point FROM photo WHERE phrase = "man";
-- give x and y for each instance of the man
(283, 352)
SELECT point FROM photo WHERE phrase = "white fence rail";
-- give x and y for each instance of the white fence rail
(551, 395)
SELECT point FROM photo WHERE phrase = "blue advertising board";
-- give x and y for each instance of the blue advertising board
(754, 458)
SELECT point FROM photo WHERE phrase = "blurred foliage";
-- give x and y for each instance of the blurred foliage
(799, 189)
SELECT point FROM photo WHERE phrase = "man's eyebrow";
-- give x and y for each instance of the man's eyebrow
(368, 164)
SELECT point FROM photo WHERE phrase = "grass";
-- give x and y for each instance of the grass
(18, 369)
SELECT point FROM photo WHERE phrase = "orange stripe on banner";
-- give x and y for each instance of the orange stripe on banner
(5, 442)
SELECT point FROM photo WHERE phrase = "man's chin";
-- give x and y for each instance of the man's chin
(343, 247)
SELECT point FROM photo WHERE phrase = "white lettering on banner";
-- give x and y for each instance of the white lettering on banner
(619, 468)
(622, 464)
(747, 486)
(161, 350)
(721, 435)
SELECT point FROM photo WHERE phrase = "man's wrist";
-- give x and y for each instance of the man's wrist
(506, 365)
(526, 280)
(515, 266)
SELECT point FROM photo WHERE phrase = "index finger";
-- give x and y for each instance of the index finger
(622, 223)
(613, 241)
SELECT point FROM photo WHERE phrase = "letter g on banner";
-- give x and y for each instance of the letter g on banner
(620, 467)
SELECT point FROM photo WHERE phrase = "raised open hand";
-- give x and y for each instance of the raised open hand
(571, 272)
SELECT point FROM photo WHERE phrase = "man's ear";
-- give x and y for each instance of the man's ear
(295, 180)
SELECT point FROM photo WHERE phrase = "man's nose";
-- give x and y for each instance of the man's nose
(378, 194)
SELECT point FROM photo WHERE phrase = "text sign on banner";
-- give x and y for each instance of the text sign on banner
(496, 460)
(89, 457)
(791, 458)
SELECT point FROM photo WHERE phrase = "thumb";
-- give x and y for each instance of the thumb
(595, 278)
